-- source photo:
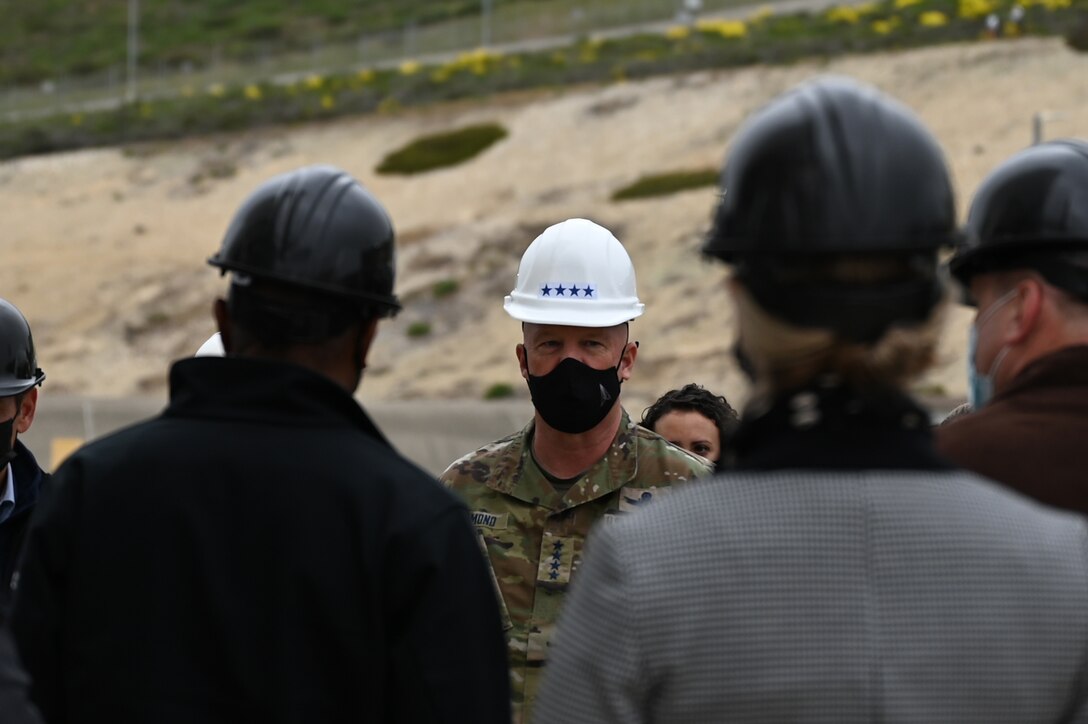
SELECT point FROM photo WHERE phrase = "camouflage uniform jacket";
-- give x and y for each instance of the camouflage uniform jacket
(534, 537)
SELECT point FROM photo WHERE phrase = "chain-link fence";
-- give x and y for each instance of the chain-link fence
(502, 24)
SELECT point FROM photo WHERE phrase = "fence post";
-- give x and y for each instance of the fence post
(133, 47)
(1037, 128)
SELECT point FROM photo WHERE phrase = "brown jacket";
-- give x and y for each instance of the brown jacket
(1033, 437)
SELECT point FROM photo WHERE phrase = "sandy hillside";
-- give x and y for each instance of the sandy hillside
(104, 250)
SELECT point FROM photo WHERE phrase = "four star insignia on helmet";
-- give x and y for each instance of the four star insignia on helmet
(584, 292)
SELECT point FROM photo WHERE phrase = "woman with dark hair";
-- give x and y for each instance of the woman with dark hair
(695, 419)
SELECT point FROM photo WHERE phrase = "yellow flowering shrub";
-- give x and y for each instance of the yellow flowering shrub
(677, 32)
(932, 19)
(843, 14)
(252, 92)
(725, 28)
(973, 9)
(410, 67)
(477, 62)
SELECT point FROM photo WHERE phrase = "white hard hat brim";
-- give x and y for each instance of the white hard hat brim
(573, 312)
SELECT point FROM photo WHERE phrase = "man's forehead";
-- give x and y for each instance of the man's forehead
(533, 330)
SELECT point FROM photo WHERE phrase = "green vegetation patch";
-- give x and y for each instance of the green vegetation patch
(499, 391)
(667, 183)
(418, 329)
(442, 149)
(445, 288)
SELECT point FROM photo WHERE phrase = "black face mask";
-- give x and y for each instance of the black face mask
(574, 397)
(6, 452)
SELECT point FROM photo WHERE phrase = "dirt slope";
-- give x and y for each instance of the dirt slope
(104, 250)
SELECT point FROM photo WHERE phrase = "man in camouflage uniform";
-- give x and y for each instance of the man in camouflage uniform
(535, 495)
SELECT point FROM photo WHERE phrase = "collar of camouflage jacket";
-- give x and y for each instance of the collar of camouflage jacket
(516, 474)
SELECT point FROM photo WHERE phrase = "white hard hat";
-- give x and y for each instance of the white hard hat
(576, 274)
(212, 348)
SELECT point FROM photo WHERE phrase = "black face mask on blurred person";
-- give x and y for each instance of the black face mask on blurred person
(574, 397)
(6, 452)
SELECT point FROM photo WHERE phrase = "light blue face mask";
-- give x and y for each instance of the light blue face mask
(980, 388)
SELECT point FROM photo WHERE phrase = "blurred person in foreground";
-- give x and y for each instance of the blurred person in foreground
(695, 419)
(535, 494)
(844, 572)
(1024, 262)
(259, 552)
(22, 482)
(15, 706)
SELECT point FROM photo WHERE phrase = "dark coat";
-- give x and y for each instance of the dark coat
(15, 708)
(1033, 436)
(257, 553)
(31, 483)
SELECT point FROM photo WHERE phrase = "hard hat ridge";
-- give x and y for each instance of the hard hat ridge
(315, 228)
(833, 166)
(576, 273)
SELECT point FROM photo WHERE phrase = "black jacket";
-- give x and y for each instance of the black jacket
(31, 483)
(258, 553)
(15, 708)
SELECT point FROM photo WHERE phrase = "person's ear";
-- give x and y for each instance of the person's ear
(627, 361)
(366, 339)
(1029, 301)
(523, 361)
(27, 408)
(225, 324)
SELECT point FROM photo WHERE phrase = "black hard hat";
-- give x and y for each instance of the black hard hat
(18, 366)
(834, 167)
(316, 228)
(1029, 212)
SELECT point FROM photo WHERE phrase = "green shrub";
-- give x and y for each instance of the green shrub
(1076, 37)
(498, 391)
(667, 183)
(419, 329)
(445, 288)
(442, 149)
